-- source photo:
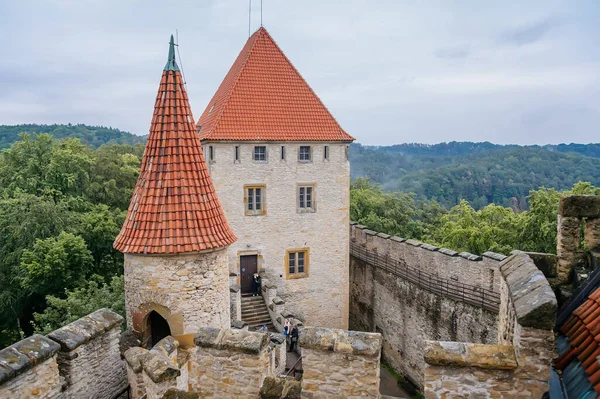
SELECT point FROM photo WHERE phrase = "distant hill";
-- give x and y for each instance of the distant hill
(93, 136)
(481, 173)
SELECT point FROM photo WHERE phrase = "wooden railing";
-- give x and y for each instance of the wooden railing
(466, 293)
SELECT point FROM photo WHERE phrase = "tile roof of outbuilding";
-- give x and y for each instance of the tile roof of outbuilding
(579, 347)
(174, 207)
(264, 98)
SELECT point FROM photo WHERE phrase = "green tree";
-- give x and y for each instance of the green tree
(55, 264)
(81, 301)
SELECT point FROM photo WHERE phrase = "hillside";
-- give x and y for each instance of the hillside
(93, 136)
(481, 173)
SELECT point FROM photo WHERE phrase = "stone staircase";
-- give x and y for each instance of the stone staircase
(255, 313)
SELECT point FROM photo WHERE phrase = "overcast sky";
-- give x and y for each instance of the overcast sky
(390, 71)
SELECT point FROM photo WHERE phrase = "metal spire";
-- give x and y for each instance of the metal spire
(171, 64)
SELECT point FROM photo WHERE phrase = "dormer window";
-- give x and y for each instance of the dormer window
(304, 154)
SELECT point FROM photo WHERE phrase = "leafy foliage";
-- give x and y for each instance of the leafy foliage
(481, 173)
(94, 295)
(62, 204)
(94, 136)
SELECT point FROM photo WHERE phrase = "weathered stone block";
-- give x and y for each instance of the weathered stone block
(495, 256)
(134, 356)
(470, 256)
(580, 206)
(25, 354)
(244, 341)
(173, 393)
(463, 354)
(86, 328)
(547, 263)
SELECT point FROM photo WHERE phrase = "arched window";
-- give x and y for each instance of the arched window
(159, 328)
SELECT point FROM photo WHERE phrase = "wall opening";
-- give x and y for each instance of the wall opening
(159, 328)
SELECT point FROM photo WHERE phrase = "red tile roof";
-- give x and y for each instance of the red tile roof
(264, 98)
(582, 330)
(174, 208)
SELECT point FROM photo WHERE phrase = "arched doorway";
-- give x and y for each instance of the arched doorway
(158, 326)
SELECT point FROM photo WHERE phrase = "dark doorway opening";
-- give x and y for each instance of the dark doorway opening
(159, 328)
(248, 266)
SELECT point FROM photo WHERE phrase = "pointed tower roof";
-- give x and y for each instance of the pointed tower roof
(263, 97)
(174, 208)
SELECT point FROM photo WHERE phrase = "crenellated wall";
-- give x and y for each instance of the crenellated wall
(340, 363)
(424, 303)
(79, 360)
(520, 365)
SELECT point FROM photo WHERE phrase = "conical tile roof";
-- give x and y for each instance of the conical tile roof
(263, 97)
(174, 208)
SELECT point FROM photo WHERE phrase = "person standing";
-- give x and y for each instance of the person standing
(293, 338)
(286, 328)
(255, 284)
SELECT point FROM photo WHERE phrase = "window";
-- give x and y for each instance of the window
(297, 263)
(304, 154)
(236, 151)
(306, 198)
(260, 153)
(211, 153)
(326, 152)
(283, 153)
(254, 200)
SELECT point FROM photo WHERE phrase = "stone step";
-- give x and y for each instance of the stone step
(256, 299)
(256, 312)
(254, 309)
(257, 320)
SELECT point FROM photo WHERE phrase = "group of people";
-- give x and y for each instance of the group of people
(290, 331)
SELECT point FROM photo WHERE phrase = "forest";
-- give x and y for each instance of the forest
(63, 201)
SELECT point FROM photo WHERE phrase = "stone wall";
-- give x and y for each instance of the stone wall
(80, 360)
(151, 373)
(189, 291)
(575, 210)
(232, 363)
(520, 365)
(283, 227)
(339, 363)
(29, 369)
(407, 315)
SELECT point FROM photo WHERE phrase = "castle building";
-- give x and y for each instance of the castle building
(279, 162)
(175, 236)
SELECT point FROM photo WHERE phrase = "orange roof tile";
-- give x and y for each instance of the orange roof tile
(583, 334)
(174, 207)
(264, 98)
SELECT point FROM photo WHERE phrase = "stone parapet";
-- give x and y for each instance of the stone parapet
(83, 330)
(232, 363)
(341, 341)
(464, 267)
(81, 359)
(532, 297)
(464, 354)
(520, 365)
(340, 363)
(580, 206)
(24, 355)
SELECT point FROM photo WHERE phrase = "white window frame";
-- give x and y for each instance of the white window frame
(254, 153)
(310, 155)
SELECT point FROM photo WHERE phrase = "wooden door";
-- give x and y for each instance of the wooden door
(248, 266)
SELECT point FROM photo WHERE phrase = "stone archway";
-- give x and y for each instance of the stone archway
(151, 314)
(157, 327)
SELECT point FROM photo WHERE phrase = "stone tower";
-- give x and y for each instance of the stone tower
(279, 162)
(175, 236)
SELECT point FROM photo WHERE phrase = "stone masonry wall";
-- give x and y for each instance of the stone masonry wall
(283, 227)
(79, 360)
(339, 363)
(572, 211)
(29, 369)
(232, 363)
(189, 291)
(520, 366)
(407, 315)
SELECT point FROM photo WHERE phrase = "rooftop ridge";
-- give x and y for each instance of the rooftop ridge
(264, 97)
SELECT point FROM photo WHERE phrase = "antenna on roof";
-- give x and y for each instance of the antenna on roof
(249, 15)
(261, 13)
(179, 56)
